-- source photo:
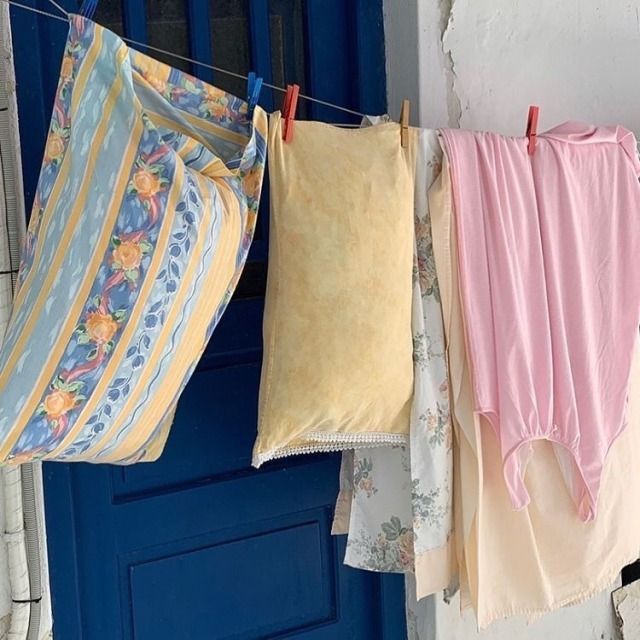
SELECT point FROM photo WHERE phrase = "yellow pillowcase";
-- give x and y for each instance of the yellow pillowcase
(337, 370)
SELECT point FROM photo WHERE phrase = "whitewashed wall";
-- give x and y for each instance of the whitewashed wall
(479, 64)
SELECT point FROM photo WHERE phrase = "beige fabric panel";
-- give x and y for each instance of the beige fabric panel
(542, 557)
(338, 369)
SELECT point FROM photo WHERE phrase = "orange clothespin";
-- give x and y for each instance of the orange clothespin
(289, 111)
(404, 123)
(532, 128)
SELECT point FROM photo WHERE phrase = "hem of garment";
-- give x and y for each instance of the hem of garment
(439, 567)
(446, 583)
(342, 514)
(586, 513)
(332, 442)
(367, 567)
(577, 598)
(586, 503)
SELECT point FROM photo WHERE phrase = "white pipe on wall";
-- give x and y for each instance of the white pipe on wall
(24, 532)
(17, 553)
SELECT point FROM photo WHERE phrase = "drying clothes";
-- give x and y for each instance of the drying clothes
(374, 509)
(337, 370)
(141, 225)
(400, 514)
(550, 290)
(439, 618)
(544, 556)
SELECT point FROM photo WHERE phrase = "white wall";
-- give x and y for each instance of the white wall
(593, 619)
(14, 578)
(479, 64)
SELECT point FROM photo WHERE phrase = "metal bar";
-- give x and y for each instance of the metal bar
(199, 16)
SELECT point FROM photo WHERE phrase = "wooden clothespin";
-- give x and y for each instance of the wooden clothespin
(289, 111)
(404, 123)
(532, 128)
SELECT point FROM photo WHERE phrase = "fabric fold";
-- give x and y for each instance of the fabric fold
(544, 556)
(400, 518)
(337, 371)
(141, 225)
(547, 246)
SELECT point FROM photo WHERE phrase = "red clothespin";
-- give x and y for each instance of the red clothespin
(289, 111)
(532, 128)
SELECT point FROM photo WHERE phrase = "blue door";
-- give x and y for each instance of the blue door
(199, 545)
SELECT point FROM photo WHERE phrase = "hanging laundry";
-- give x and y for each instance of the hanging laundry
(396, 502)
(550, 290)
(439, 617)
(141, 225)
(337, 370)
(544, 556)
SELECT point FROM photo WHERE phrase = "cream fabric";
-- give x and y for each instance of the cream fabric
(543, 557)
(337, 370)
(400, 518)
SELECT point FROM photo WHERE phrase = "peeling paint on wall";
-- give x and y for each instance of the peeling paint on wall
(574, 58)
(626, 601)
(5, 623)
(454, 107)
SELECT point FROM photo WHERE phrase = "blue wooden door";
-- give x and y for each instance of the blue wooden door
(199, 545)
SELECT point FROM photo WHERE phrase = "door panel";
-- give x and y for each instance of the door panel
(199, 545)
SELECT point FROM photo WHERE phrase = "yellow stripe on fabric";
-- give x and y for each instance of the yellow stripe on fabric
(69, 326)
(155, 446)
(78, 88)
(214, 169)
(216, 281)
(115, 359)
(189, 145)
(90, 59)
(124, 448)
(70, 228)
(261, 123)
(215, 129)
(164, 121)
(167, 122)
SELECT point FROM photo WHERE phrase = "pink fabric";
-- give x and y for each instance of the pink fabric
(550, 287)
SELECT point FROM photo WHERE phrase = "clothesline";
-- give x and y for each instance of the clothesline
(185, 58)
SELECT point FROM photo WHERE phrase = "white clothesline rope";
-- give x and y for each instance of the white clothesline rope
(65, 16)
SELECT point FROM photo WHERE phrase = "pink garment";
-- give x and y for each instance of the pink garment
(550, 287)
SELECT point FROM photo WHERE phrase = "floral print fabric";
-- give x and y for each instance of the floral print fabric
(141, 225)
(400, 516)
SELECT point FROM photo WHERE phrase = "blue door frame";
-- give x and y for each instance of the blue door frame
(199, 545)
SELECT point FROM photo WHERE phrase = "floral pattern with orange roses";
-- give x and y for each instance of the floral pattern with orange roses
(247, 186)
(125, 263)
(198, 98)
(136, 355)
(61, 398)
(57, 140)
(114, 293)
(147, 182)
(391, 550)
(129, 250)
(363, 476)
